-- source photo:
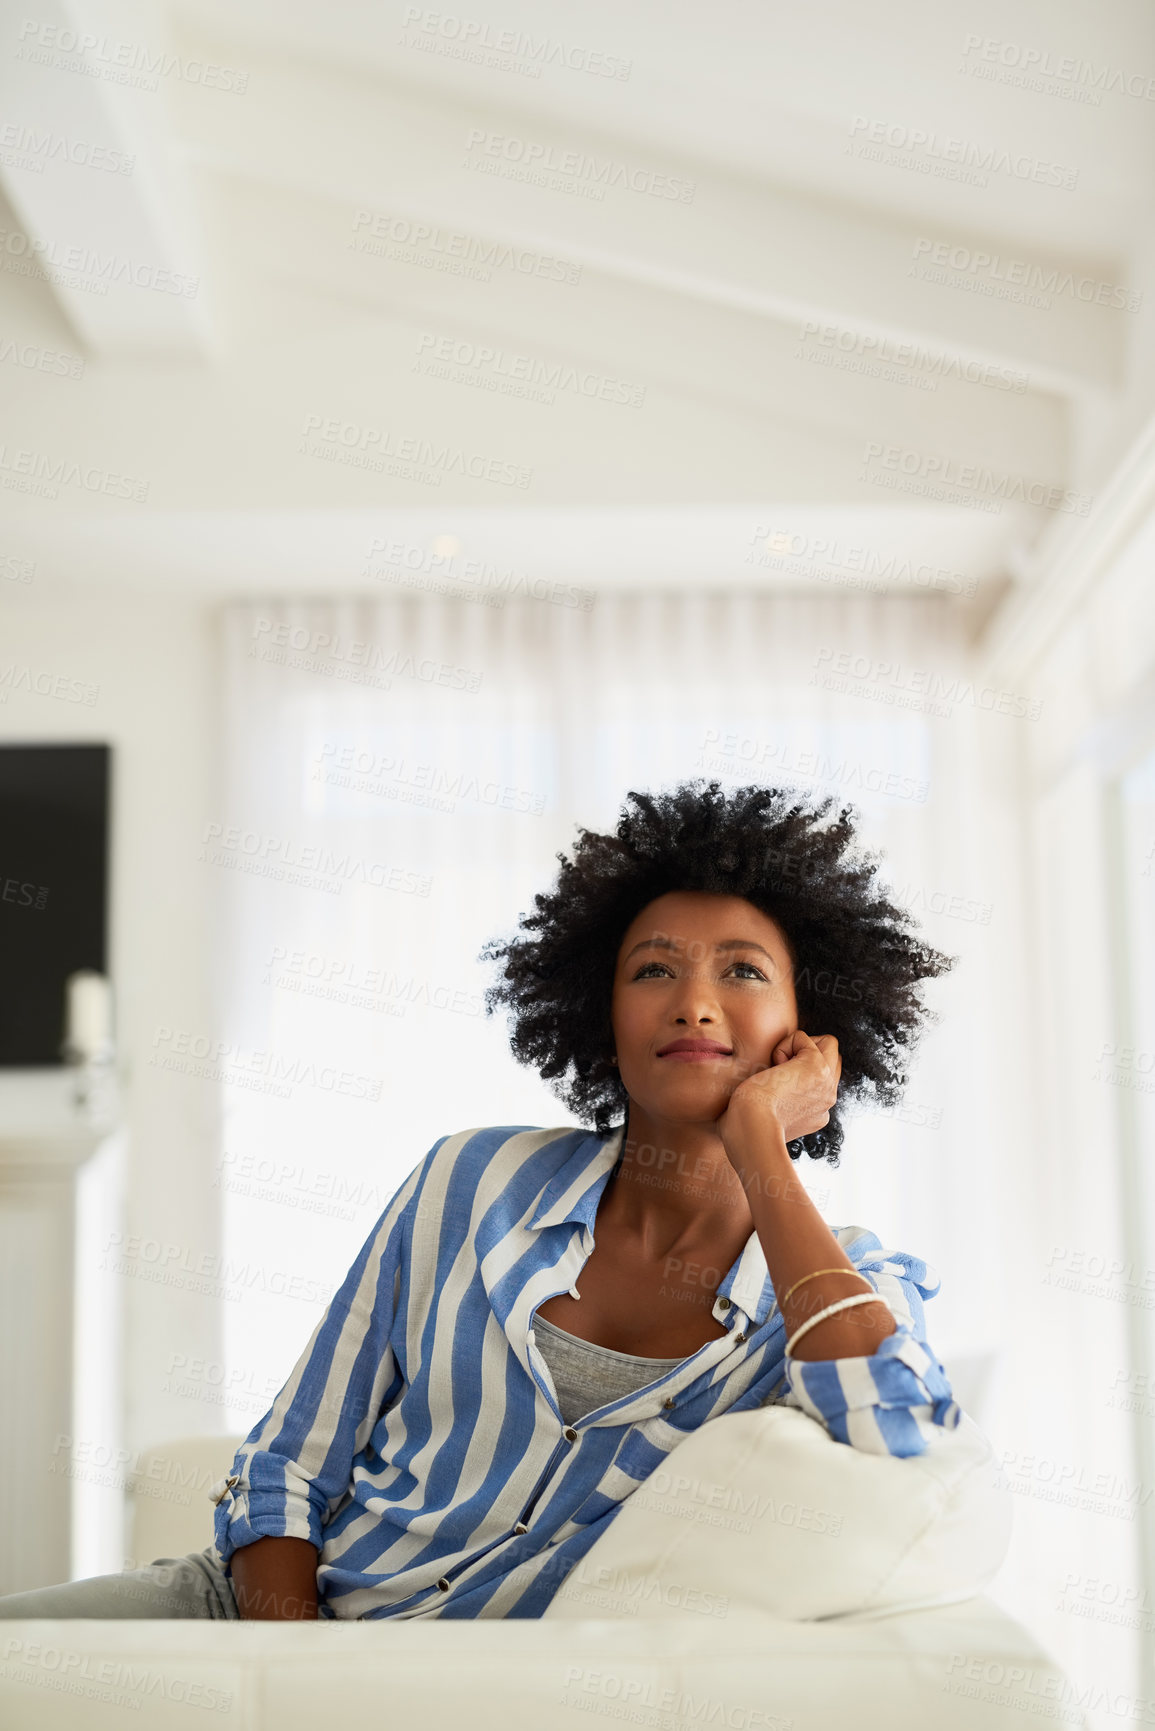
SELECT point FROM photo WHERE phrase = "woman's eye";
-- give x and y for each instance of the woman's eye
(647, 967)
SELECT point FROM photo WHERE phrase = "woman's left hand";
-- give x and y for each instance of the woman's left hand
(797, 1092)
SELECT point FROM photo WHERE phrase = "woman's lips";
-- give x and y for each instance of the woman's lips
(698, 1057)
(695, 1051)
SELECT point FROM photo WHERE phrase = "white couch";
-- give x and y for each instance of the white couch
(765, 1579)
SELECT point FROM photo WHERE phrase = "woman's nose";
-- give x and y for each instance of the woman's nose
(695, 1002)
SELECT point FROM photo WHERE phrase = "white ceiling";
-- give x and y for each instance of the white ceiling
(770, 91)
(758, 324)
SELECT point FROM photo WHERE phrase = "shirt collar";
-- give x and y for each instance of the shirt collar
(574, 1191)
(747, 1285)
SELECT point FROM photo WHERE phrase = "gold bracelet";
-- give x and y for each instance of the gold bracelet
(814, 1276)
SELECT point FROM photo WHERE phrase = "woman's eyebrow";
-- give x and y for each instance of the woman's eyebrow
(724, 944)
(743, 944)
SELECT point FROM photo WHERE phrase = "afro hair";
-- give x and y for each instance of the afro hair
(858, 961)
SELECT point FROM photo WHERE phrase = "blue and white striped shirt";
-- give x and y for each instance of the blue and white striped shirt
(418, 1442)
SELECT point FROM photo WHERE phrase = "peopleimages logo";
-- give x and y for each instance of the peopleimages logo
(14, 677)
(284, 860)
(41, 360)
(934, 152)
(518, 375)
(934, 470)
(174, 1044)
(370, 771)
(453, 250)
(815, 555)
(40, 147)
(282, 642)
(498, 152)
(1037, 64)
(406, 561)
(741, 754)
(89, 268)
(914, 357)
(641, 1701)
(28, 471)
(385, 452)
(132, 63)
(479, 41)
(1011, 274)
(854, 671)
(1027, 1688)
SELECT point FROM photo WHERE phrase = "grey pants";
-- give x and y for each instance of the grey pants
(190, 1586)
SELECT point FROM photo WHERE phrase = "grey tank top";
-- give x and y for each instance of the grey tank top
(587, 1376)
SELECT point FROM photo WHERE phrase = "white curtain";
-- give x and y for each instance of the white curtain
(437, 755)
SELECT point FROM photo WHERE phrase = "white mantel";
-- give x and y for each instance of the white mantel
(46, 1140)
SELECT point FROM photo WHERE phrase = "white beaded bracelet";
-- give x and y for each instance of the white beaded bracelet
(831, 1310)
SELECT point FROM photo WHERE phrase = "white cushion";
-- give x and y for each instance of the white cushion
(172, 1512)
(765, 1511)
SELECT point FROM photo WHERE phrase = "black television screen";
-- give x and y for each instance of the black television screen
(54, 827)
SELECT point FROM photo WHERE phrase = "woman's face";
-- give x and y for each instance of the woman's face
(698, 971)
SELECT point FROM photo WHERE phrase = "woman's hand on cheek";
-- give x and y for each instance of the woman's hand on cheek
(796, 1091)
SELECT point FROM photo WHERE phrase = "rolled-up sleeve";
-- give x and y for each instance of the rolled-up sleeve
(888, 1402)
(295, 1465)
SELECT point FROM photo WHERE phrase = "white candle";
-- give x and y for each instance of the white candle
(89, 1016)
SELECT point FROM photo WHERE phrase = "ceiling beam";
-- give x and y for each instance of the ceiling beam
(398, 151)
(93, 186)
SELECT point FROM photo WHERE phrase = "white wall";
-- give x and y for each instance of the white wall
(154, 664)
(1077, 1293)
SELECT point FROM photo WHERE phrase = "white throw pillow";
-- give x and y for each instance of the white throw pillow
(765, 1511)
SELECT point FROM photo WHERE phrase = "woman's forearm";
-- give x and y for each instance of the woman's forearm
(795, 1241)
(276, 1579)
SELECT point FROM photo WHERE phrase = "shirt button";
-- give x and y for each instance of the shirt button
(739, 1338)
(569, 1433)
(668, 1404)
(723, 1304)
(443, 1584)
(521, 1527)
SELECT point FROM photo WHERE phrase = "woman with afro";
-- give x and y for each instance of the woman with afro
(541, 1315)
